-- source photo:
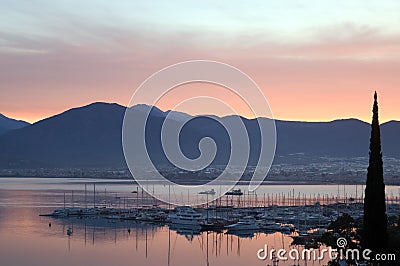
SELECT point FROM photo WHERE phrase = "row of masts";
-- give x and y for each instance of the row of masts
(142, 199)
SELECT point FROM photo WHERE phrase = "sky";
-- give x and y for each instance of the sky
(313, 60)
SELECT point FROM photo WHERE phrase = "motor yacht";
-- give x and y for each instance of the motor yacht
(185, 215)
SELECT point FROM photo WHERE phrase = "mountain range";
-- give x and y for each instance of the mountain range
(7, 124)
(90, 137)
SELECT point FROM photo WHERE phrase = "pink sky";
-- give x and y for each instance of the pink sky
(317, 72)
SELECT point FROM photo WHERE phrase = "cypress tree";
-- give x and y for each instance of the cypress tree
(375, 219)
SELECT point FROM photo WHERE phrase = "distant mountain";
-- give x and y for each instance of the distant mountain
(80, 137)
(90, 136)
(154, 111)
(7, 124)
(390, 133)
(339, 138)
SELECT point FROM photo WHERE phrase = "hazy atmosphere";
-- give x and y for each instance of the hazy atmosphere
(202, 133)
(308, 58)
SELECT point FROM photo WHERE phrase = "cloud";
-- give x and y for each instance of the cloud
(64, 59)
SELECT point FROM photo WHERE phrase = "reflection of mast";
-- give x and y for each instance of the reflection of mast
(146, 243)
(93, 235)
(115, 234)
(213, 243)
(69, 233)
(216, 245)
(69, 243)
(208, 263)
(85, 228)
(238, 251)
(169, 245)
(136, 238)
(220, 243)
(227, 243)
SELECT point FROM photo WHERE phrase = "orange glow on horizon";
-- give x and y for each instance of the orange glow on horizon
(283, 108)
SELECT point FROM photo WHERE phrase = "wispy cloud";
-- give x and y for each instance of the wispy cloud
(57, 55)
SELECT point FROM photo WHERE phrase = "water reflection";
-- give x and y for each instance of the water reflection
(27, 239)
(181, 244)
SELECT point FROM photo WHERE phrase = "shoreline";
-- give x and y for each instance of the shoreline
(197, 182)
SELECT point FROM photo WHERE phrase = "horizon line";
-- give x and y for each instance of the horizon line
(190, 114)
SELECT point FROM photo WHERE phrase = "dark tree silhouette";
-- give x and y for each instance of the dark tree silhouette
(375, 219)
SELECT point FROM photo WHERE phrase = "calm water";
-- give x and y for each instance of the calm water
(27, 239)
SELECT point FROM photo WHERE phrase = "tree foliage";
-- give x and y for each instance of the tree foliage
(375, 218)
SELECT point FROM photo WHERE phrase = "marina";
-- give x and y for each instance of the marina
(300, 219)
(82, 214)
(292, 214)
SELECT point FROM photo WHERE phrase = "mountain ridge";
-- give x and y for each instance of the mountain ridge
(7, 124)
(90, 136)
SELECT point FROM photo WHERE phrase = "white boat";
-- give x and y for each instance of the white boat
(208, 192)
(248, 223)
(151, 216)
(186, 215)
